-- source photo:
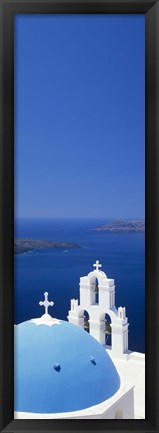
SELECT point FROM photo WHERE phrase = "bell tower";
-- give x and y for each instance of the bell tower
(98, 308)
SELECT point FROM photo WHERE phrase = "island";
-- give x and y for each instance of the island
(120, 225)
(25, 245)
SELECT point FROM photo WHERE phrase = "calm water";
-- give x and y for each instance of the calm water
(58, 272)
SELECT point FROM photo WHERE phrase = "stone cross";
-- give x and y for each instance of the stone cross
(97, 265)
(46, 303)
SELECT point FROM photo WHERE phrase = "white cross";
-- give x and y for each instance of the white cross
(97, 265)
(46, 303)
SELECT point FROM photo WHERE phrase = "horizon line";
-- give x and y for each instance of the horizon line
(80, 217)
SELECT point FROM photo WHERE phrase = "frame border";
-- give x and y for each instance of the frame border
(8, 8)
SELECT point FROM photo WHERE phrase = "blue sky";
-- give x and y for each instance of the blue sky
(79, 116)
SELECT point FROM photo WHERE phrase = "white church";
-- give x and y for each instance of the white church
(62, 371)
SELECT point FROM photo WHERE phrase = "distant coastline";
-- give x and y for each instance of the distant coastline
(124, 226)
(25, 245)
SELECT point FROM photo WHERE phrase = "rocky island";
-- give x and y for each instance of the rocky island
(25, 245)
(120, 225)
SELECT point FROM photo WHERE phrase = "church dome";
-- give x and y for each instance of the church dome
(60, 368)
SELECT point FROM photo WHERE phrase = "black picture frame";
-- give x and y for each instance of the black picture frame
(8, 9)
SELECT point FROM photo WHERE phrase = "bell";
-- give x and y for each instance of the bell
(86, 324)
(96, 290)
(107, 329)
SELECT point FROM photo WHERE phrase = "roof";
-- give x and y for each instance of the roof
(60, 368)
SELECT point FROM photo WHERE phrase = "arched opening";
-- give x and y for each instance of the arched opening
(119, 414)
(96, 291)
(108, 330)
(86, 324)
(94, 288)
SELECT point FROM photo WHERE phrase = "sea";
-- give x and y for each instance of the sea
(58, 270)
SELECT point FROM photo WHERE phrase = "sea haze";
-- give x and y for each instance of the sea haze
(58, 270)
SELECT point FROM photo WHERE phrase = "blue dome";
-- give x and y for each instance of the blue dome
(60, 368)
